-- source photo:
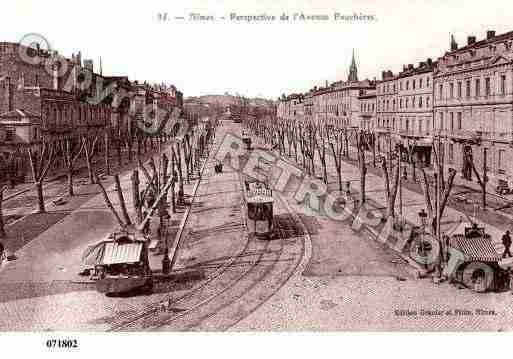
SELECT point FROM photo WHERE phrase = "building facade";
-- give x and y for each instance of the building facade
(473, 98)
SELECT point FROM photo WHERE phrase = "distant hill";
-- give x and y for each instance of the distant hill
(225, 100)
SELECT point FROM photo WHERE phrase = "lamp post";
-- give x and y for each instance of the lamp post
(423, 221)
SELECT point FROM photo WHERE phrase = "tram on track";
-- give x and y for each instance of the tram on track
(259, 206)
(246, 139)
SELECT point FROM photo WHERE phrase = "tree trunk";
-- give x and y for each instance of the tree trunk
(40, 197)
(122, 202)
(70, 182)
(107, 164)
(2, 225)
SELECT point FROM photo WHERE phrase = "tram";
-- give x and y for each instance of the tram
(120, 263)
(259, 202)
(246, 139)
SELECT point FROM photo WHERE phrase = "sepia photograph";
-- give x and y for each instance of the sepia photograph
(254, 167)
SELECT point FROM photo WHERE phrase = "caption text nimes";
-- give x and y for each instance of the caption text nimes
(353, 16)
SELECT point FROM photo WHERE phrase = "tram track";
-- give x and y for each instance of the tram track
(193, 299)
(251, 269)
(150, 316)
(272, 277)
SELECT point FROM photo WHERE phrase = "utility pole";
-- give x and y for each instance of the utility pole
(485, 150)
(438, 194)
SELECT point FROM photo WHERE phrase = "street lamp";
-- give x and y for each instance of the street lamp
(423, 221)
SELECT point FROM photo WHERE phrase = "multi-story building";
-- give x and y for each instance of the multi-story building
(338, 104)
(473, 99)
(367, 110)
(291, 106)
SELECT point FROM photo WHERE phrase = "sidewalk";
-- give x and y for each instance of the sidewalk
(23, 230)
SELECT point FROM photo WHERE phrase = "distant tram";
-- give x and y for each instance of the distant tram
(259, 200)
(246, 139)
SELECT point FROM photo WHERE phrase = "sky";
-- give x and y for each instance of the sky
(265, 58)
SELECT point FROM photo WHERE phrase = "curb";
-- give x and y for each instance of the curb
(418, 271)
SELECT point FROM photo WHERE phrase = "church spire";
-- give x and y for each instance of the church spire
(353, 71)
(454, 44)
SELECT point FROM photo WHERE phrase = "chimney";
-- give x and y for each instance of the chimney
(405, 67)
(55, 77)
(9, 94)
(429, 61)
(471, 40)
(422, 63)
(490, 34)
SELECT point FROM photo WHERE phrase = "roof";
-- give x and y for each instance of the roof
(120, 247)
(477, 248)
(115, 252)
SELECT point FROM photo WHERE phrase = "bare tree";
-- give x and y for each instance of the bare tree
(90, 150)
(72, 152)
(361, 145)
(40, 162)
(391, 192)
(445, 192)
(337, 148)
(2, 225)
(320, 144)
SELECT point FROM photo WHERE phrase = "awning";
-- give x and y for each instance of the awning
(122, 253)
(111, 252)
(475, 249)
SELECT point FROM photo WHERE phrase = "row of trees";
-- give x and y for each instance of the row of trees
(307, 142)
(175, 165)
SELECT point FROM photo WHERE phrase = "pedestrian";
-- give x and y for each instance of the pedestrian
(146, 229)
(506, 241)
(1, 252)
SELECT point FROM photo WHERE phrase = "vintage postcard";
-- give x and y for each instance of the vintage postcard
(260, 166)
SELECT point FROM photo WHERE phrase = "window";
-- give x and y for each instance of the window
(420, 102)
(9, 134)
(459, 89)
(441, 124)
(459, 120)
(406, 102)
(413, 85)
(400, 85)
(400, 103)
(452, 121)
(427, 101)
(407, 85)
(500, 161)
(478, 87)
(393, 123)
(488, 89)
(394, 87)
(440, 91)
(467, 90)
(35, 133)
(420, 126)
(407, 124)
(503, 84)
(451, 152)
(451, 90)
(420, 83)
(427, 81)
(413, 102)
